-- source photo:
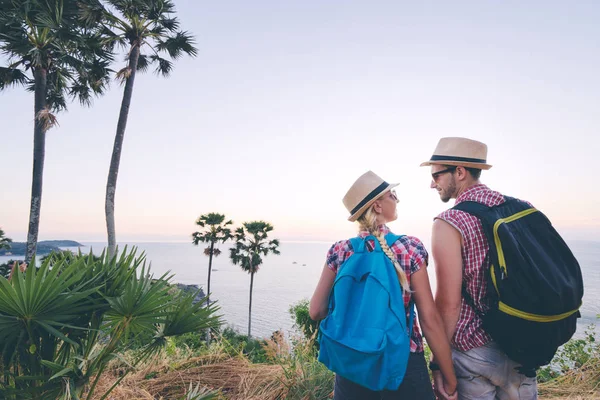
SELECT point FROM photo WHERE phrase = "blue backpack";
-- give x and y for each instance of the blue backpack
(364, 337)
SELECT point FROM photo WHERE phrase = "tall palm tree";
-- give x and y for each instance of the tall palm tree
(4, 241)
(251, 241)
(136, 25)
(215, 231)
(54, 55)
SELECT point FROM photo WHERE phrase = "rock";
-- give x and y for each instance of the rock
(192, 289)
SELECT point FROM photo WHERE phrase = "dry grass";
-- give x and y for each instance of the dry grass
(169, 377)
(578, 384)
(236, 378)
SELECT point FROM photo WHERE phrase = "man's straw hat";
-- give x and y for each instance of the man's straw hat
(368, 188)
(460, 152)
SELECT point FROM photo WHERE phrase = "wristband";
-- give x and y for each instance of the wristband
(433, 366)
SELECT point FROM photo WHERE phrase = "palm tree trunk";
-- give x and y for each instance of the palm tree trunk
(39, 153)
(250, 307)
(212, 246)
(113, 172)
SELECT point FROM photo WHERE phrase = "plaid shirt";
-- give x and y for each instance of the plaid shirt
(411, 255)
(469, 332)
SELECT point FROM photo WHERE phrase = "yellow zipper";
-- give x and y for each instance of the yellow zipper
(513, 217)
(534, 317)
(494, 279)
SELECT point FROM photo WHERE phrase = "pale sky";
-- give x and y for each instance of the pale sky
(287, 103)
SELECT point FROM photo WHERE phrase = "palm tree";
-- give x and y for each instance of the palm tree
(54, 55)
(251, 241)
(136, 25)
(4, 241)
(215, 231)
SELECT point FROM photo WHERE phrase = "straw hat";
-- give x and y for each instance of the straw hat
(460, 151)
(368, 188)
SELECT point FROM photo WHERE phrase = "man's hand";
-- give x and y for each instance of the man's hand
(440, 388)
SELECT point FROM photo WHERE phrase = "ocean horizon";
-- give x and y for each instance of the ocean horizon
(286, 279)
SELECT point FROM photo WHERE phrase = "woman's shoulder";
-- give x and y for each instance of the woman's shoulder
(410, 242)
(341, 246)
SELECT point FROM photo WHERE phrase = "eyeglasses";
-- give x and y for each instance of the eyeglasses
(436, 175)
(394, 196)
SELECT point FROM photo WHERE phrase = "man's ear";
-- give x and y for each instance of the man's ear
(461, 173)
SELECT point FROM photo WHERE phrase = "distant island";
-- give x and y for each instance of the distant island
(43, 247)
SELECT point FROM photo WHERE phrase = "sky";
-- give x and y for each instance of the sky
(288, 102)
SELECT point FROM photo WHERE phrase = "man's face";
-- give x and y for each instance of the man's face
(442, 180)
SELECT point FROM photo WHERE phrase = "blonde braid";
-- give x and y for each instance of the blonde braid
(368, 222)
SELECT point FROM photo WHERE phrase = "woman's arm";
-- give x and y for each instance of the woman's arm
(319, 303)
(433, 327)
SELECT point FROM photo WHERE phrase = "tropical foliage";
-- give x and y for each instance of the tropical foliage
(61, 324)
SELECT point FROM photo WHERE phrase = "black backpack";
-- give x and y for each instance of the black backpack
(535, 288)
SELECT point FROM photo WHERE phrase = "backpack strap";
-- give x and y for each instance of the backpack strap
(472, 207)
(477, 210)
(390, 238)
(359, 244)
(411, 318)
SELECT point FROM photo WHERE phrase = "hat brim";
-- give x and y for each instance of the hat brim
(364, 208)
(457, 164)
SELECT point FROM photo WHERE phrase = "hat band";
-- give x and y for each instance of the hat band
(459, 159)
(370, 197)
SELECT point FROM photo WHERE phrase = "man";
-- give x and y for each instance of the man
(460, 249)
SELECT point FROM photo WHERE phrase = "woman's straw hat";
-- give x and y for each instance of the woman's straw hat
(460, 152)
(368, 188)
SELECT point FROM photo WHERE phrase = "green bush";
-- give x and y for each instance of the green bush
(253, 348)
(303, 322)
(572, 355)
(192, 340)
(306, 377)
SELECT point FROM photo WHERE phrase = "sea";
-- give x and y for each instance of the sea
(290, 277)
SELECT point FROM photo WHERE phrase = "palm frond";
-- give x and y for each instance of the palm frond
(170, 24)
(12, 77)
(92, 12)
(177, 45)
(164, 66)
(143, 63)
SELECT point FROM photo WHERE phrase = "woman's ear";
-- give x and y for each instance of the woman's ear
(377, 207)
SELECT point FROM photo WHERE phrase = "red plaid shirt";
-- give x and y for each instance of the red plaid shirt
(469, 332)
(411, 255)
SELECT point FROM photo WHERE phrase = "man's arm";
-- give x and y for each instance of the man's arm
(446, 244)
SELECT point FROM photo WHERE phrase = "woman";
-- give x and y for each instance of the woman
(372, 203)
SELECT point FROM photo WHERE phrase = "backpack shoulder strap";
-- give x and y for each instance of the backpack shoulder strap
(391, 238)
(472, 207)
(358, 244)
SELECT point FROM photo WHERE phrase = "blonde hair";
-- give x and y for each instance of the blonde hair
(368, 222)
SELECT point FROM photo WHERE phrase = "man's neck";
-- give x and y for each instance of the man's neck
(466, 187)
